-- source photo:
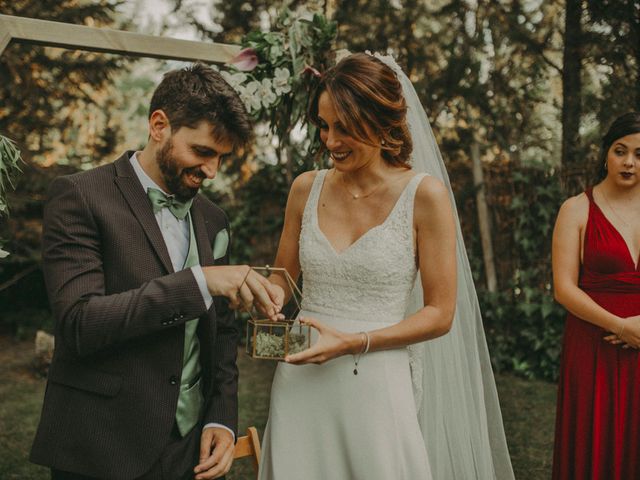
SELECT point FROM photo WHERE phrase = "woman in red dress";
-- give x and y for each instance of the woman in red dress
(596, 247)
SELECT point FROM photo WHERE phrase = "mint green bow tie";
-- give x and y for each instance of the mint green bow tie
(160, 200)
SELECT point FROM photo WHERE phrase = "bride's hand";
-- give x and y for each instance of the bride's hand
(331, 343)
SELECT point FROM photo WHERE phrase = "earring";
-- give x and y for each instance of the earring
(382, 142)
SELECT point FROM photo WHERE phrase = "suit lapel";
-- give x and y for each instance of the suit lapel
(131, 188)
(206, 329)
(202, 235)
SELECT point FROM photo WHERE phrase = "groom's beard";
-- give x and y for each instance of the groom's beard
(174, 176)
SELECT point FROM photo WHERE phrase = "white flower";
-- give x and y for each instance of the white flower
(281, 81)
(234, 79)
(3, 253)
(266, 93)
(275, 52)
(250, 96)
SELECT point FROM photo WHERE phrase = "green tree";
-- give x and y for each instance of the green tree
(612, 56)
(44, 89)
(56, 106)
(572, 97)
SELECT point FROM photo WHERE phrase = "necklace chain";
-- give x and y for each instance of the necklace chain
(613, 209)
(358, 196)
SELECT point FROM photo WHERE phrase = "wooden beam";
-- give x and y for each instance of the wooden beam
(5, 38)
(78, 37)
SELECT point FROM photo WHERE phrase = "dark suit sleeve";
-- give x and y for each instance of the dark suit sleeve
(223, 406)
(87, 319)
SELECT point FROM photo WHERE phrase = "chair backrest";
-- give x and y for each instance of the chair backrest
(249, 446)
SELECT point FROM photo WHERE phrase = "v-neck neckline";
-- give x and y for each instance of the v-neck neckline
(628, 249)
(365, 234)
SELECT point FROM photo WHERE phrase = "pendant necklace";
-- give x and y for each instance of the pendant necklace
(358, 196)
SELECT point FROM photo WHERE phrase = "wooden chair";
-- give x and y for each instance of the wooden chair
(249, 446)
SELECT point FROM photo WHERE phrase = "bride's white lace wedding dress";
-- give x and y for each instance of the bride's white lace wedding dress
(324, 421)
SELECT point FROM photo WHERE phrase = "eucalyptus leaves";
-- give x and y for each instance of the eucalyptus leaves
(9, 167)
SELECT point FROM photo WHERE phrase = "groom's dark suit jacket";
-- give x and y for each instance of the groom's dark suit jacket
(120, 310)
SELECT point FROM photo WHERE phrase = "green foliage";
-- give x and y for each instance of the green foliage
(524, 330)
(10, 161)
(277, 89)
(256, 215)
(47, 93)
(524, 323)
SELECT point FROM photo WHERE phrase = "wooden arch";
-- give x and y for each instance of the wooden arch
(106, 40)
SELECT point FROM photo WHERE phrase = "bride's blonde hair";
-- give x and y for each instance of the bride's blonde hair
(368, 100)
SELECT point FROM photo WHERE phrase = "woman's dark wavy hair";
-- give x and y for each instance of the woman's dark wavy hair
(369, 103)
(627, 124)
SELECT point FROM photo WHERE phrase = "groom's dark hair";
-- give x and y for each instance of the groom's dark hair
(190, 95)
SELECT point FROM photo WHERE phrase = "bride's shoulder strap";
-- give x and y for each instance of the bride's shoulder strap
(412, 186)
(314, 194)
(409, 197)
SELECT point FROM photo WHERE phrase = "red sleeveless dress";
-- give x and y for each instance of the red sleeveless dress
(598, 411)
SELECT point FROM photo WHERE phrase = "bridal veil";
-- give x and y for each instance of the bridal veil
(454, 387)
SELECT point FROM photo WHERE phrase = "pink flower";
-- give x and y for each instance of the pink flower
(312, 71)
(246, 60)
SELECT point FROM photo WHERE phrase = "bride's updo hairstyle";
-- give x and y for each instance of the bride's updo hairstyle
(627, 124)
(368, 100)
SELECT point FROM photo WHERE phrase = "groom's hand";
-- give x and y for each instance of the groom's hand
(277, 295)
(243, 287)
(216, 453)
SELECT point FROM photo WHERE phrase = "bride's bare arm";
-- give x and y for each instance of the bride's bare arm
(287, 256)
(436, 251)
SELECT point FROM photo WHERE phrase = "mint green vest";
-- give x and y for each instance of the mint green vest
(190, 400)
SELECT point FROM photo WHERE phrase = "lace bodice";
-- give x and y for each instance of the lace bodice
(373, 277)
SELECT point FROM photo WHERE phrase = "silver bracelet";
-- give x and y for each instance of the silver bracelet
(356, 358)
(366, 350)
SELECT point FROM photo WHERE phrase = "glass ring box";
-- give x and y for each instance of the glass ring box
(274, 340)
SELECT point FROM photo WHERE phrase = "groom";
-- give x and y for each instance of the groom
(143, 382)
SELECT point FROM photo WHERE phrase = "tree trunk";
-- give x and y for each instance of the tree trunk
(483, 219)
(329, 8)
(572, 167)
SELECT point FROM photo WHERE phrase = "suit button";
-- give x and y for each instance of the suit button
(173, 380)
(176, 317)
(163, 323)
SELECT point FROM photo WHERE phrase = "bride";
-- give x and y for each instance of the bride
(384, 268)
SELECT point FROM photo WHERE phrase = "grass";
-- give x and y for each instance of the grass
(528, 412)
(528, 409)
